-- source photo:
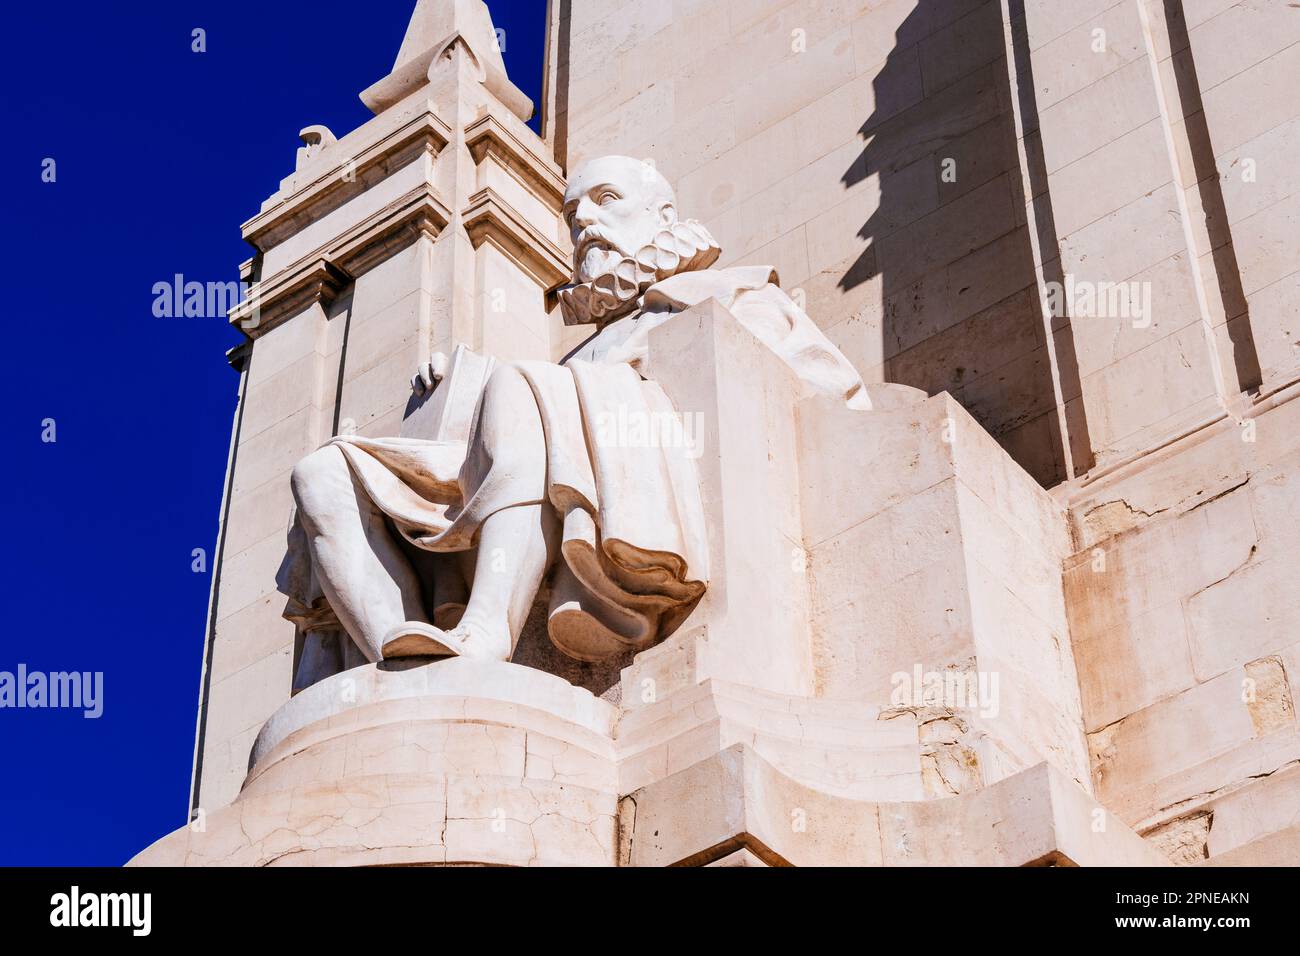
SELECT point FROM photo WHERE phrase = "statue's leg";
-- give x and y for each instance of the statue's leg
(516, 546)
(515, 543)
(362, 571)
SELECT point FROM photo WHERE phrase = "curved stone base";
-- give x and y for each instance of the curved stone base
(454, 762)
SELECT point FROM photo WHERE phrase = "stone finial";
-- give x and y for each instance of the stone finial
(438, 29)
(314, 139)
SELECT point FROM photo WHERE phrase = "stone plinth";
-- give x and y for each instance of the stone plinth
(458, 762)
(933, 556)
(452, 762)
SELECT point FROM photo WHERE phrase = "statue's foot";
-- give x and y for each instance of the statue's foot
(417, 639)
(414, 639)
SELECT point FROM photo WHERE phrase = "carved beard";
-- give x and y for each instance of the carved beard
(685, 246)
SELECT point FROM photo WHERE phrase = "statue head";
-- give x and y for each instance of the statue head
(622, 217)
(614, 206)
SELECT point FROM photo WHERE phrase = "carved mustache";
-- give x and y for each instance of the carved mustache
(591, 236)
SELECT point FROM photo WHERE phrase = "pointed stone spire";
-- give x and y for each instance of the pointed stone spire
(436, 20)
(438, 30)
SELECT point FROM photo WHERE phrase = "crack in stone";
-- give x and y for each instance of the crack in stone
(1247, 562)
(1128, 507)
(1217, 495)
(1143, 826)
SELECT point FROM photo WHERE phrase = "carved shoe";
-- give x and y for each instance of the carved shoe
(416, 639)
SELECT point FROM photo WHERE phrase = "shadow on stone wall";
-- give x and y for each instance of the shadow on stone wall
(1236, 308)
(949, 245)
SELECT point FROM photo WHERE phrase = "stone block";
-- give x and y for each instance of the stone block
(1252, 101)
(712, 368)
(1081, 56)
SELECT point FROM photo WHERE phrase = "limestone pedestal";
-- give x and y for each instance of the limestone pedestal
(450, 762)
(460, 762)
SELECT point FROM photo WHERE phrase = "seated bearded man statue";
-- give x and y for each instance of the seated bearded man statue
(534, 491)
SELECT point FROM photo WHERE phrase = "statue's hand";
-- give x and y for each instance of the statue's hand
(429, 374)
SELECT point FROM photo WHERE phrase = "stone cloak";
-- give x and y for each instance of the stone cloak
(633, 559)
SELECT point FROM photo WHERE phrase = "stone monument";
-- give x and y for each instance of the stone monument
(555, 535)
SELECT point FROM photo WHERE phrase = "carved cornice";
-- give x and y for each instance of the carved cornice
(347, 178)
(319, 276)
(537, 174)
(488, 218)
(291, 293)
(400, 223)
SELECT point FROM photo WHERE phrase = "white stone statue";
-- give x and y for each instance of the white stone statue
(440, 547)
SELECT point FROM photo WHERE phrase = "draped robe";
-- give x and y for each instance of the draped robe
(634, 553)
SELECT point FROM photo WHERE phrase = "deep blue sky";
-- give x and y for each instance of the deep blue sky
(161, 153)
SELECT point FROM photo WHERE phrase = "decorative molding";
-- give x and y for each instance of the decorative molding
(319, 275)
(536, 173)
(291, 293)
(489, 218)
(346, 179)
(238, 356)
(314, 139)
(400, 223)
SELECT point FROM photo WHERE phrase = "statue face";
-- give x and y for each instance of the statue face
(614, 206)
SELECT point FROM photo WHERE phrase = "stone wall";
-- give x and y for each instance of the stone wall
(285, 413)
(1156, 136)
(1185, 616)
(1247, 61)
(813, 135)
(1095, 141)
(1137, 118)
